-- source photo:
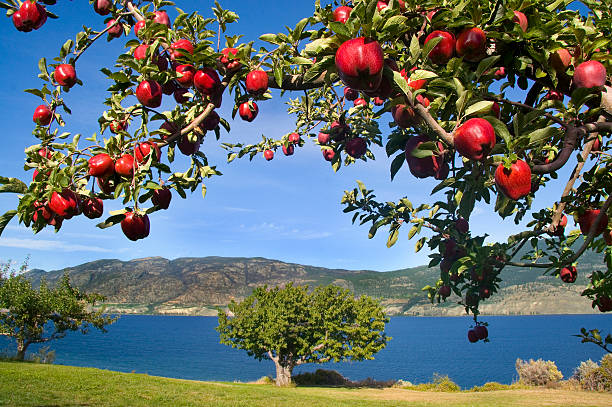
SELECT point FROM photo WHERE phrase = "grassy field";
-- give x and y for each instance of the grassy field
(29, 384)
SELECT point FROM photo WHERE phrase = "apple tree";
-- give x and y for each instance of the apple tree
(41, 315)
(492, 99)
(292, 326)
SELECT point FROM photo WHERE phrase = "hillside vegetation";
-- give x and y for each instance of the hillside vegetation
(196, 286)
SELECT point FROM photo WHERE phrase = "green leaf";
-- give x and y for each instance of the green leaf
(397, 163)
(111, 221)
(481, 107)
(340, 29)
(486, 63)
(394, 23)
(13, 185)
(392, 237)
(203, 191)
(500, 129)
(543, 136)
(5, 219)
(419, 244)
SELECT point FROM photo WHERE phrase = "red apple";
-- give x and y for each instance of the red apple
(93, 208)
(179, 47)
(180, 95)
(484, 292)
(187, 147)
(356, 147)
(169, 127)
(444, 50)
(116, 29)
(596, 146)
(64, 204)
(257, 82)
(288, 150)
(350, 94)
(43, 211)
(560, 60)
(341, 14)
(328, 154)
(101, 165)
(607, 236)
(248, 111)
(186, 74)
(472, 336)
(140, 52)
(294, 138)
(496, 110)
(462, 225)
(65, 75)
(102, 7)
(135, 226)
(568, 274)
(475, 139)
(405, 116)
(423, 100)
(554, 95)
(444, 291)
(142, 151)
(586, 220)
(521, 19)
(381, 5)
(604, 303)
(500, 73)
(378, 101)
(117, 126)
(360, 102)
(360, 63)
(139, 26)
(323, 138)
(514, 182)
(30, 16)
(471, 44)
(149, 93)
(432, 166)
(268, 154)
(206, 81)
(481, 332)
(228, 60)
(125, 165)
(210, 122)
(42, 115)
(161, 17)
(590, 74)
(161, 198)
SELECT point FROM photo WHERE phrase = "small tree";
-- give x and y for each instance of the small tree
(38, 316)
(291, 326)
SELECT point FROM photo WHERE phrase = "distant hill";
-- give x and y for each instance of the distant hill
(196, 286)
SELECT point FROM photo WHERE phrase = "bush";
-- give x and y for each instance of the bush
(440, 383)
(494, 386)
(320, 377)
(44, 355)
(538, 372)
(600, 378)
(584, 369)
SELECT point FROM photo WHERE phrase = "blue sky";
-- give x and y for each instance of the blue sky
(287, 209)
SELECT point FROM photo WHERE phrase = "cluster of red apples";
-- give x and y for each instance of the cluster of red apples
(363, 66)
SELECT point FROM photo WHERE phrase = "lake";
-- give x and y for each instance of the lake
(188, 348)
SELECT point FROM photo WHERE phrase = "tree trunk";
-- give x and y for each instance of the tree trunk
(21, 349)
(283, 374)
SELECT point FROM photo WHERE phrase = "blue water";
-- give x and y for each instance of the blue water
(188, 348)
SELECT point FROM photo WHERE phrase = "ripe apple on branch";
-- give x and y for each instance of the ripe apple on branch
(477, 97)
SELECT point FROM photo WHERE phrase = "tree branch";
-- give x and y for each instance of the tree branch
(587, 241)
(572, 135)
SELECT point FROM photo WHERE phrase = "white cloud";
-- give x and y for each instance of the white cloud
(234, 209)
(41, 244)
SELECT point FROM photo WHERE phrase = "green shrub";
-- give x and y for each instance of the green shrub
(439, 383)
(538, 372)
(321, 377)
(494, 386)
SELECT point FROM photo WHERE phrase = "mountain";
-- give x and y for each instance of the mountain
(197, 286)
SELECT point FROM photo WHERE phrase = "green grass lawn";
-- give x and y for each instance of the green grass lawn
(29, 384)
